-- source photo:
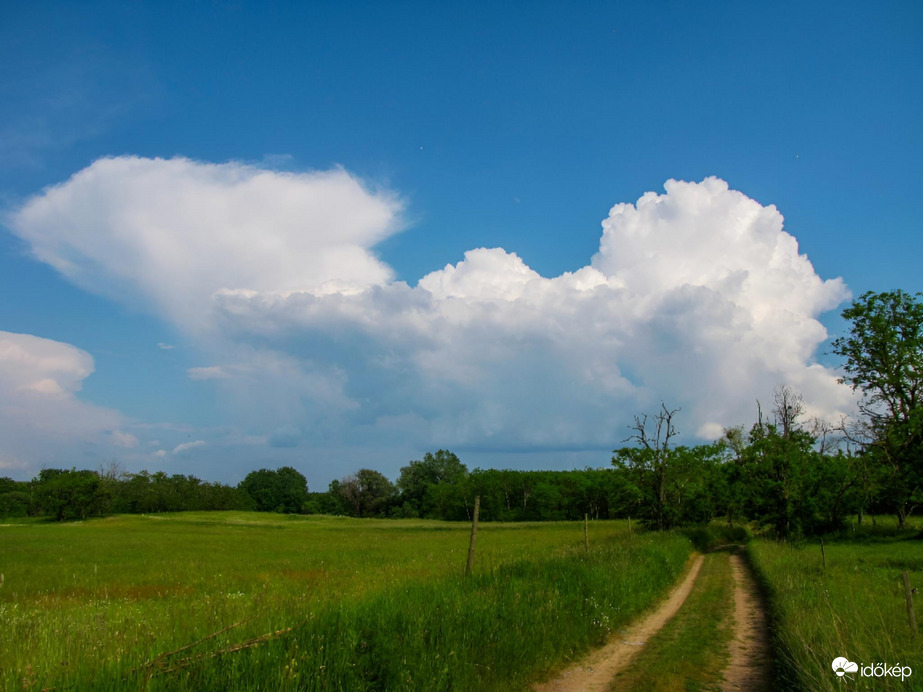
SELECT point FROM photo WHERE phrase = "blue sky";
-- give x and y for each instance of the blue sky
(431, 132)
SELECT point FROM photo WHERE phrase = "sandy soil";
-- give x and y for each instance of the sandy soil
(596, 671)
(750, 664)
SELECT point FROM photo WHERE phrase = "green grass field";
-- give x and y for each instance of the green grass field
(855, 607)
(238, 600)
(234, 600)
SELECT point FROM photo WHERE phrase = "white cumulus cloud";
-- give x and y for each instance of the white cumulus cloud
(30, 364)
(42, 420)
(697, 296)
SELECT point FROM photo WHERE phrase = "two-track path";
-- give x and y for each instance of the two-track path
(749, 666)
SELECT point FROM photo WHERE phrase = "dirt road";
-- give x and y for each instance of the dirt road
(749, 664)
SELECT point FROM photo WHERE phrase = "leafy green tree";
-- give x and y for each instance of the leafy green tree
(508, 495)
(218, 496)
(14, 498)
(447, 501)
(144, 492)
(323, 502)
(700, 489)
(494, 486)
(69, 494)
(136, 495)
(784, 477)
(593, 490)
(838, 489)
(663, 484)
(546, 501)
(260, 487)
(292, 490)
(884, 360)
(365, 493)
(773, 472)
(669, 487)
(284, 490)
(420, 481)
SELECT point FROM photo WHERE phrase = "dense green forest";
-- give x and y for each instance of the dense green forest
(787, 474)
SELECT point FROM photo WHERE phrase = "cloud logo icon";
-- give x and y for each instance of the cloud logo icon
(841, 666)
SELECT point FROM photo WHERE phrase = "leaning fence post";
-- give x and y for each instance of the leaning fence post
(908, 594)
(474, 535)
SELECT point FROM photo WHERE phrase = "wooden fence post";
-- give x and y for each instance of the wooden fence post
(586, 533)
(629, 528)
(823, 553)
(474, 535)
(908, 594)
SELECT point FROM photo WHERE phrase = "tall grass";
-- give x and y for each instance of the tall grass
(499, 630)
(356, 604)
(853, 608)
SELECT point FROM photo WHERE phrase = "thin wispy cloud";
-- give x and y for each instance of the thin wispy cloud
(210, 372)
(187, 447)
(70, 101)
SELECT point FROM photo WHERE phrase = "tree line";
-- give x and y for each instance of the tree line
(78, 494)
(786, 473)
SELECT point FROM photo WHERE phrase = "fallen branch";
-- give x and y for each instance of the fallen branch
(162, 665)
(159, 660)
(183, 663)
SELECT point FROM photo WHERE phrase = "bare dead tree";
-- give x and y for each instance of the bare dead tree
(788, 407)
(113, 470)
(654, 433)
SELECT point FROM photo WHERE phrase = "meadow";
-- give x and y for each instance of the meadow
(853, 607)
(239, 600)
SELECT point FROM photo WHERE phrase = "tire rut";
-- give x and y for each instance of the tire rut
(595, 672)
(750, 665)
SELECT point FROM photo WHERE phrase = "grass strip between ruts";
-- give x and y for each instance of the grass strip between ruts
(691, 650)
